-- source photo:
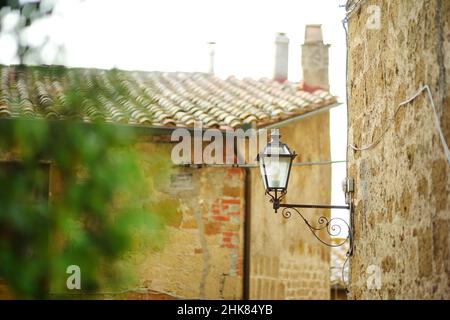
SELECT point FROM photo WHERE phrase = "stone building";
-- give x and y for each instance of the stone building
(224, 240)
(339, 269)
(286, 261)
(402, 180)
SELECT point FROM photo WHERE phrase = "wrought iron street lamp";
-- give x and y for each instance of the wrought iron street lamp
(275, 163)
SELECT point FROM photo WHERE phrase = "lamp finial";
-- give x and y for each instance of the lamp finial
(275, 136)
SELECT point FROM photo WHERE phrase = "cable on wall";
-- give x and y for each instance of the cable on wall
(350, 249)
(250, 165)
(352, 8)
(349, 12)
(435, 120)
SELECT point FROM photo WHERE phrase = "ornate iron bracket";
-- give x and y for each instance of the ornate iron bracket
(333, 229)
(329, 225)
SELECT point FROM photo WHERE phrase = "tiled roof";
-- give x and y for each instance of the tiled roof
(151, 98)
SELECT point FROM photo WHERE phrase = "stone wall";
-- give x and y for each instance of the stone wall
(202, 254)
(402, 196)
(287, 261)
(199, 254)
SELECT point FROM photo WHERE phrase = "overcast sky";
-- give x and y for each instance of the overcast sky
(172, 35)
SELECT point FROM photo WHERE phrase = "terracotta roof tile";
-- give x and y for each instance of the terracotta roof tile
(151, 98)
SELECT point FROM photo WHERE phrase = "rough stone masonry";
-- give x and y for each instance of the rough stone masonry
(402, 198)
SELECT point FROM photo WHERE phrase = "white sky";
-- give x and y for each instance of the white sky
(171, 35)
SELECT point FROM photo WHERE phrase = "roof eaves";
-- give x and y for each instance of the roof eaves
(286, 121)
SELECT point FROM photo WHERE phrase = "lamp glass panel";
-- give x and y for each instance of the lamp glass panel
(277, 149)
(277, 171)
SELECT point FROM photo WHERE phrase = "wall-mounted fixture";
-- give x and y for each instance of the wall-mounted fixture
(275, 163)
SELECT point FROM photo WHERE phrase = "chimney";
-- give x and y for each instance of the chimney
(315, 59)
(211, 46)
(280, 72)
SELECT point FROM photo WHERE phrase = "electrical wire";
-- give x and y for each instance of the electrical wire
(352, 9)
(435, 120)
(249, 165)
(346, 283)
(350, 249)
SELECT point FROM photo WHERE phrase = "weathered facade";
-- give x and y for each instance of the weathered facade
(199, 254)
(222, 240)
(402, 184)
(287, 262)
(202, 254)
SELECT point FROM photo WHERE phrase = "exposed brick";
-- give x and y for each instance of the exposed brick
(229, 246)
(232, 227)
(221, 218)
(231, 201)
(179, 261)
(234, 171)
(212, 228)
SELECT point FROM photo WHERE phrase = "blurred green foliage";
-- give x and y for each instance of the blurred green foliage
(100, 206)
(72, 193)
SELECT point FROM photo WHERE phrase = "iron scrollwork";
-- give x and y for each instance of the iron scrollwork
(329, 225)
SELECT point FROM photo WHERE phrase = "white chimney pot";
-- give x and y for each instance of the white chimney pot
(280, 72)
